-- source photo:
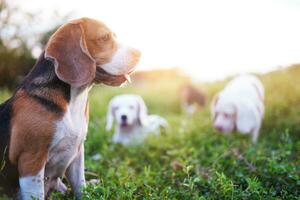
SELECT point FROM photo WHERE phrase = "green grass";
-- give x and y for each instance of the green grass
(191, 160)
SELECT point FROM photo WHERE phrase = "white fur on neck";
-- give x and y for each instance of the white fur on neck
(70, 134)
(73, 122)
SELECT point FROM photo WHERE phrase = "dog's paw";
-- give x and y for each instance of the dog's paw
(61, 187)
(93, 182)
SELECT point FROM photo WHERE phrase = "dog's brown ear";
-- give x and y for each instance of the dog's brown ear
(67, 48)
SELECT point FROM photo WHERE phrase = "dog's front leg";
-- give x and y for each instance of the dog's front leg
(75, 173)
(31, 179)
(255, 133)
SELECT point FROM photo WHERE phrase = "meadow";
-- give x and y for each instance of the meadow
(190, 160)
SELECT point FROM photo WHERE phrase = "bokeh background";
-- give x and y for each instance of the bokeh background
(207, 40)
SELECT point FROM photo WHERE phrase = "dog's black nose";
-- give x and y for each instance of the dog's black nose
(123, 117)
(219, 128)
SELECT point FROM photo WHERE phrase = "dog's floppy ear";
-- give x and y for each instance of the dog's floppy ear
(142, 111)
(110, 116)
(246, 117)
(213, 105)
(67, 48)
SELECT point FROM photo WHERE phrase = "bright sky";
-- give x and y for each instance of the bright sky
(208, 39)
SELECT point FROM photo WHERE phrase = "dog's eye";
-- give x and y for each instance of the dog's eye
(131, 107)
(227, 116)
(106, 37)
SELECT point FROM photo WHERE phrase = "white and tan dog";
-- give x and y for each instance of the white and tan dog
(240, 106)
(133, 124)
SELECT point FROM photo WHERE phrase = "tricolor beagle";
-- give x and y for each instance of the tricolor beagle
(44, 123)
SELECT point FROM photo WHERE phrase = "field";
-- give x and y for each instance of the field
(190, 160)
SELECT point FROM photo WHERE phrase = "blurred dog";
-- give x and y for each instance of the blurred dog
(240, 106)
(191, 98)
(133, 122)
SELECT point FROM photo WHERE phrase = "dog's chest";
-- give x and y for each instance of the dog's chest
(135, 136)
(70, 133)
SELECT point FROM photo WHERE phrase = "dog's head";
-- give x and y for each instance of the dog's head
(127, 110)
(86, 51)
(224, 113)
(230, 113)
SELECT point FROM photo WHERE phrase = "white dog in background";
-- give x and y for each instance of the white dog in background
(133, 124)
(240, 106)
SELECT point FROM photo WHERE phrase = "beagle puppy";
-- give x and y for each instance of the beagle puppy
(191, 98)
(44, 124)
(240, 106)
(133, 124)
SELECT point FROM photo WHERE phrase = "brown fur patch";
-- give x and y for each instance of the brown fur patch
(32, 130)
(90, 41)
(66, 49)
(99, 39)
(191, 95)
